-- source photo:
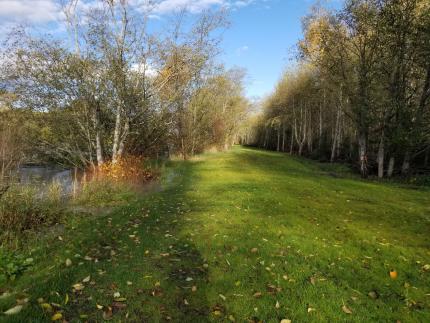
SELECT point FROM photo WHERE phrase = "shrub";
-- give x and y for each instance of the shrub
(114, 183)
(24, 208)
(129, 169)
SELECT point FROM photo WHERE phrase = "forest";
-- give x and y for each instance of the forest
(360, 92)
(160, 161)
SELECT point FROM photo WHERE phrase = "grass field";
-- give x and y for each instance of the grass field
(244, 236)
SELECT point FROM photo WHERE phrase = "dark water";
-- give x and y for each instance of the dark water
(44, 176)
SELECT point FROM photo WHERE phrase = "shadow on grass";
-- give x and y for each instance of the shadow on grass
(137, 251)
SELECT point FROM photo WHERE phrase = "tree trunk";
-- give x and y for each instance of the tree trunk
(123, 139)
(390, 170)
(320, 127)
(99, 147)
(406, 163)
(116, 136)
(291, 143)
(380, 157)
(362, 153)
(283, 137)
(426, 157)
(278, 146)
(335, 137)
(266, 139)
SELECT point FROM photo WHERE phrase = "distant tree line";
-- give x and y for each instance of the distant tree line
(360, 92)
(119, 87)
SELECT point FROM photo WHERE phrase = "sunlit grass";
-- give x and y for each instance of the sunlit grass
(246, 235)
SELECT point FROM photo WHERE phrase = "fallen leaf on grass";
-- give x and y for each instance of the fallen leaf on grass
(372, 294)
(56, 317)
(120, 299)
(217, 313)
(310, 309)
(78, 287)
(257, 295)
(68, 262)
(277, 305)
(107, 314)
(285, 321)
(346, 309)
(14, 310)
(86, 279)
(222, 297)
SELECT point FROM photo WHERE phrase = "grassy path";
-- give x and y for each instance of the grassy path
(243, 236)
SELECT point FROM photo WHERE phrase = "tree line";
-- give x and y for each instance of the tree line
(360, 92)
(116, 86)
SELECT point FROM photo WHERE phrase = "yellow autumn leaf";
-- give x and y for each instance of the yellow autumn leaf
(346, 309)
(56, 317)
(78, 286)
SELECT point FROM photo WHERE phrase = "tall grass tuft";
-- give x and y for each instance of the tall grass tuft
(25, 208)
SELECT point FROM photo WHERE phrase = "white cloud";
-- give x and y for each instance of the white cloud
(161, 7)
(45, 11)
(28, 11)
(193, 6)
(148, 69)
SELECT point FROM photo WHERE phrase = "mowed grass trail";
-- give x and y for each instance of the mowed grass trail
(244, 236)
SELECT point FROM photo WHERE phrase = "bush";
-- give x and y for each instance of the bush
(128, 169)
(24, 208)
(115, 183)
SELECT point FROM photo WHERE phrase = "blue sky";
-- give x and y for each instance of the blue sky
(261, 37)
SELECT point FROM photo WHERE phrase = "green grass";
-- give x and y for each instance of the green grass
(322, 242)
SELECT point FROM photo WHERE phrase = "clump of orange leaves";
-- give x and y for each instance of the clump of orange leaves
(130, 169)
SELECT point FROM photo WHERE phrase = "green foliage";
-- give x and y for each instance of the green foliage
(12, 265)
